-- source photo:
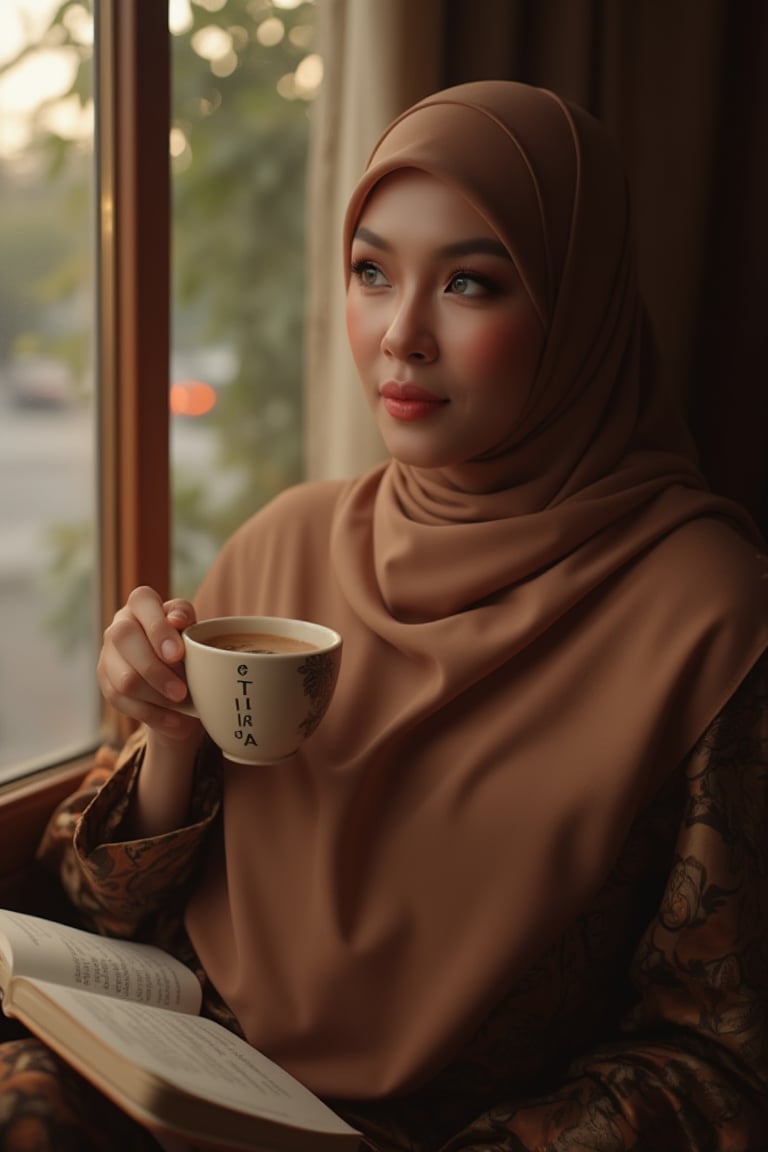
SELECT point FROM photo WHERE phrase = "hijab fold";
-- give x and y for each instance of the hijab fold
(532, 645)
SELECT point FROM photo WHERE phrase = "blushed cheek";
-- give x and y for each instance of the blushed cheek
(358, 334)
(350, 318)
(504, 348)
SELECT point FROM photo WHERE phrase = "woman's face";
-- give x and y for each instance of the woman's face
(444, 336)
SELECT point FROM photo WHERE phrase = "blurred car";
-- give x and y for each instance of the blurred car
(191, 398)
(39, 382)
(197, 377)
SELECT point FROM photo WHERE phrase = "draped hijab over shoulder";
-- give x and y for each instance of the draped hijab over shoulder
(527, 655)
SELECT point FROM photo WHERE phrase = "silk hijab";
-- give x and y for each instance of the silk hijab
(527, 654)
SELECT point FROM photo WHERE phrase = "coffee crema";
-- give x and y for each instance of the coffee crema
(258, 643)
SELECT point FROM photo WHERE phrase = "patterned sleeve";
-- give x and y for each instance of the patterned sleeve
(118, 885)
(691, 1071)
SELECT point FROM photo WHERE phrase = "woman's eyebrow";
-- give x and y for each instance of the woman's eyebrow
(477, 245)
(480, 245)
(372, 238)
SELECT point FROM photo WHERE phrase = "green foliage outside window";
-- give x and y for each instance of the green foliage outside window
(238, 242)
(243, 76)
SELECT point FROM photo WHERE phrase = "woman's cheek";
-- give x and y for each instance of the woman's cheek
(506, 346)
(350, 318)
(485, 348)
(360, 330)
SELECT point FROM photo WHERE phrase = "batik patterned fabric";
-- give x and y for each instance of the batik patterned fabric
(46, 1107)
(645, 1026)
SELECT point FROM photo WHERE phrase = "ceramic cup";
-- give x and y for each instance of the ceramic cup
(260, 685)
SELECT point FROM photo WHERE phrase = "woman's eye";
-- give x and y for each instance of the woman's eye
(468, 284)
(368, 274)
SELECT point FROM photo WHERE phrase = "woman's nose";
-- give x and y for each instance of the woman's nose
(410, 334)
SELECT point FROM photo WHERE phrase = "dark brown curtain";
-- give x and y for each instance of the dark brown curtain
(683, 86)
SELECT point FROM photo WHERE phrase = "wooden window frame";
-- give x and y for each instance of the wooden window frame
(133, 124)
(133, 101)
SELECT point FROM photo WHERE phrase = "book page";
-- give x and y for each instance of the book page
(124, 969)
(194, 1054)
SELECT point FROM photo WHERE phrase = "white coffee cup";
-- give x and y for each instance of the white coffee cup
(259, 706)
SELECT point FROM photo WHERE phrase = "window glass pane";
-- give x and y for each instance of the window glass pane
(244, 75)
(48, 698)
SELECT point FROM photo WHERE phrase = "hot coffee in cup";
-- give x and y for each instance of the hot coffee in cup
(260, 684)
(259, 642)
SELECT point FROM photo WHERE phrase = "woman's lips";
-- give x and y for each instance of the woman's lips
(408, 401)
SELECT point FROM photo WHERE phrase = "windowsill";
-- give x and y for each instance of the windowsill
(26, 805)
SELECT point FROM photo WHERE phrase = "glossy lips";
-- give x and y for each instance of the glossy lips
(408, 401)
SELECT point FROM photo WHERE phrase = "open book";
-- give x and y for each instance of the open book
(125, 1015)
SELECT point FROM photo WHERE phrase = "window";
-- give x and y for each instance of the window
(47, 445)
(97, 372)
(243, 76)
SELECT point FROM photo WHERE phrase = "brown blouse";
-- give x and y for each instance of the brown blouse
(644, 1027)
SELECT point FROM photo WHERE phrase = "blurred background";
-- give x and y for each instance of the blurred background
(244, 73)
(274, 105)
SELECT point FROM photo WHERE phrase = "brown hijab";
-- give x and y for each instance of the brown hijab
(527, 656)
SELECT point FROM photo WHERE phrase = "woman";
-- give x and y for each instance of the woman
(514, 891)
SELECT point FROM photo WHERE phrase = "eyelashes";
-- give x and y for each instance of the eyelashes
(467, 277)
(461, 282)
(368, 273)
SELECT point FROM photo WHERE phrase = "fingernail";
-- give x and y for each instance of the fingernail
(175, 690)
(171, 649)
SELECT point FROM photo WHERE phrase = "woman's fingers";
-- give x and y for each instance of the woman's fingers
(161, 621)
(139, 666)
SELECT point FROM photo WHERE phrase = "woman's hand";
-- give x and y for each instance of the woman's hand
(139, 668)
(140, 675)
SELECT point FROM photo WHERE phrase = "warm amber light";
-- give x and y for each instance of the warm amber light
(192, 398)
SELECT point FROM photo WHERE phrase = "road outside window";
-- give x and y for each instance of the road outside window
(48, 705)
(245, 73)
